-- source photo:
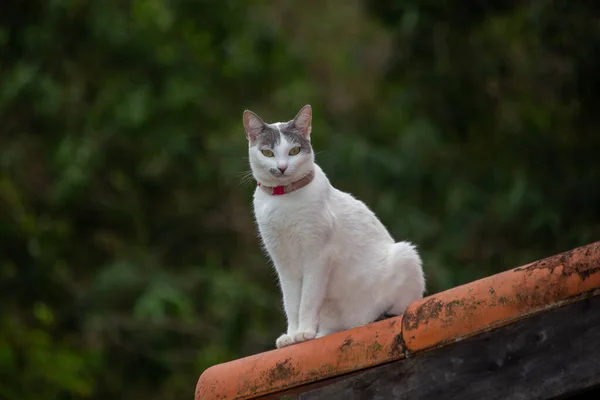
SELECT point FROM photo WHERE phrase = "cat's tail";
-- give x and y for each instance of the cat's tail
(407, 261)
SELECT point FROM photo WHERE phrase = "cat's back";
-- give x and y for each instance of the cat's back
(356, 224)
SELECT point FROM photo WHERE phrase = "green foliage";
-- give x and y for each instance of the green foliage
(130, 261)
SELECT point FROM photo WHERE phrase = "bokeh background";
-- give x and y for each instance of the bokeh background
(129, 260)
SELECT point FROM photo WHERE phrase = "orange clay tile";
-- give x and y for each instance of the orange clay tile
(433, 321)
(302, 363)
(499, 299)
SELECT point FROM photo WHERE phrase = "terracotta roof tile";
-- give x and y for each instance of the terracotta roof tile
(432, 321)
(295, 365)
(499, 299)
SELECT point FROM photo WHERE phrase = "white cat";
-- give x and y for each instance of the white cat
(337, 264)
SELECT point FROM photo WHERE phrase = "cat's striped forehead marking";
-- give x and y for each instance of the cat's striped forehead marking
(271, 136)
(293, 135)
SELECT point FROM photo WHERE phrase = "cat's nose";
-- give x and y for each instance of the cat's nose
(282, 166)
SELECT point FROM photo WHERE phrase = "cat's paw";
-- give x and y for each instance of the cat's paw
(303, 336)
(284, 340)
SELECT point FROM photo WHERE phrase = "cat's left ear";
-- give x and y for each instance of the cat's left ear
(303, 121)
(253, 126)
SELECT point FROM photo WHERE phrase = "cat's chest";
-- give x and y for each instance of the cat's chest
(288, 225)
(280, 218)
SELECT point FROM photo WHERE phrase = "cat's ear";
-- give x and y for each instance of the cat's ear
(303, 121)
(253, 126)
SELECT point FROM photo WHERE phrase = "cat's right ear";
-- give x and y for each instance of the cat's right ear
(303, 121)
(253, 126)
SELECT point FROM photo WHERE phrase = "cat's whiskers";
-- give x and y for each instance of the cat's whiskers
(245, 177)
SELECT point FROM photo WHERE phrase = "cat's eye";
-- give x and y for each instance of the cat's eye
(294, 151)
(267, 153)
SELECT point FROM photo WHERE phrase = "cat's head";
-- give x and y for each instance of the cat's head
(280, 153)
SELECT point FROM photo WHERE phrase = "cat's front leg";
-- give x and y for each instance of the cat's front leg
(314, 284)
(291, 290)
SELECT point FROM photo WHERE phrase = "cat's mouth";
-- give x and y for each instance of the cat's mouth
(280, 178)
(276, 172)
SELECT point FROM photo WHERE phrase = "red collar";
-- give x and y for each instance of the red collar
(280, 190)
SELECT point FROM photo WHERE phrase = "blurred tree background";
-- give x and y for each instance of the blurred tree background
(130, 262)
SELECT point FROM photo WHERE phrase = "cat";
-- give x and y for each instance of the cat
(338, 266)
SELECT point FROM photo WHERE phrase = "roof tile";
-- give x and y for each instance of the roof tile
(310, 361)
(499, 299)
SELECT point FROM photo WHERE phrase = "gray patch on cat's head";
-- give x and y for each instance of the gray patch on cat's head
(269, 136)
(293, 135)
